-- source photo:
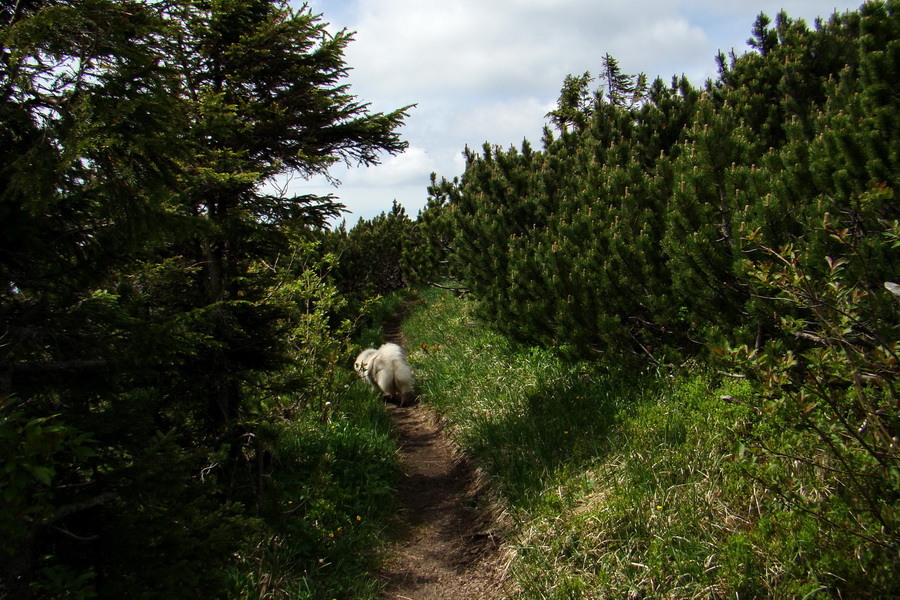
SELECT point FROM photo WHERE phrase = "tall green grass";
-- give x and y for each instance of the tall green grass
(618, 484)
(331, 497)
(330, 494)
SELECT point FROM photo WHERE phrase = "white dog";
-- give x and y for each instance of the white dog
(387, 369)
(361, 365)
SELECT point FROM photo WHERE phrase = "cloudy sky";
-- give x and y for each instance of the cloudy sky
(489, 70)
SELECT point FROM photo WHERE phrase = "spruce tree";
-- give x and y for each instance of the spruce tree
(91, 145)
(148, 300)
(428, 254)
(263, 84)
(370, 254)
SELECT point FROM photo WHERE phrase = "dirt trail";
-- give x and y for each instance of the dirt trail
(447, 548)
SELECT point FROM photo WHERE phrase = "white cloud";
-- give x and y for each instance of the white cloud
(489, 71)
(397, 170)
(501, 122)
(435, 49)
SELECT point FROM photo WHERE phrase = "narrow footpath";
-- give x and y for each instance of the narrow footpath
(446, 548)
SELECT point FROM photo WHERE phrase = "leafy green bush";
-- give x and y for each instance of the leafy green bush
(32, 452)
(825, 437)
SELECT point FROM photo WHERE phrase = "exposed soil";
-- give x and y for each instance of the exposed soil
(447, 547)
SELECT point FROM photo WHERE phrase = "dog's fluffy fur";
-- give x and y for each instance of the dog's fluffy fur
(387, 369)
(361, 365)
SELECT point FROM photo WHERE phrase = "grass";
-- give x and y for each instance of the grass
(370, 333)
(332, 497)
(331, 494)
(618, 484)
(615, 484)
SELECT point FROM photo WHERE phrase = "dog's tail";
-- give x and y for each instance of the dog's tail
(392, 374)
(403, 377)
(403, 380)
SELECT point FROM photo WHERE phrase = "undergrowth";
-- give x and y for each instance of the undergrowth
(333, 481)
(331, 489)
(622, 484)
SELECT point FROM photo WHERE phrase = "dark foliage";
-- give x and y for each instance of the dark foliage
(157, 303)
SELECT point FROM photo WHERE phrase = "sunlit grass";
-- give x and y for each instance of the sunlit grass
(527, 416)
(612, 484)
(618, 484)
